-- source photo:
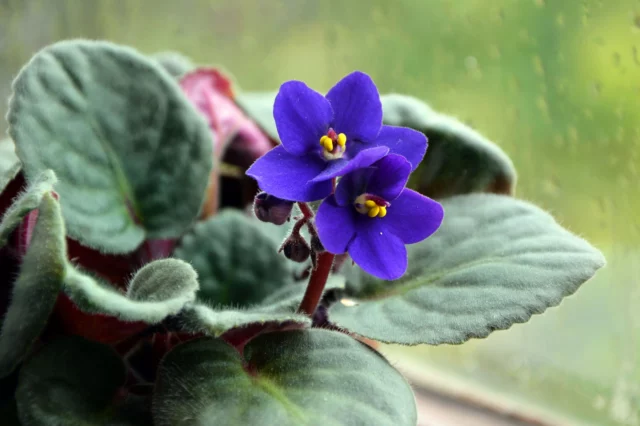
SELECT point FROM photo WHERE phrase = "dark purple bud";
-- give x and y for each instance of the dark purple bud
(296, 248)
(316, 245)
(272, 209)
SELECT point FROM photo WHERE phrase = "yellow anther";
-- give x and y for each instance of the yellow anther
(370, 203)
(383, 211)
(342, 139)
(324, 139)
(373, 212)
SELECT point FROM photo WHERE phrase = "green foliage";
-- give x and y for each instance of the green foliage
(117, 130)
(494, 262)
(278, 308)
(459, 160)
(37, 287)
(174, 63)
(162, 280)
(259, 106)
(29, 200)
(9, 163)
(237, 262)
(160, 289)
(198, 318)
(73, 382)
(306, 377)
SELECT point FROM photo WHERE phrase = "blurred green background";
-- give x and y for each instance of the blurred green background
(556, 83)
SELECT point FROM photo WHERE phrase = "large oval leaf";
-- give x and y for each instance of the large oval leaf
(74, 382)
(306, 377)
(495, 261)
(37, 287)
(132, 154)
(459, 160)
(237, 262)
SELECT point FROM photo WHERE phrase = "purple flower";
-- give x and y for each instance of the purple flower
(372, 216)
(325, 137)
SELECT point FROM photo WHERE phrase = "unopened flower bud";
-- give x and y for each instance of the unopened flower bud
(296, 248)
(272, 209)
(316, 245)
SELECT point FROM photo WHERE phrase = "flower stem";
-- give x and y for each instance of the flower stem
(317, 281)
(306, 210)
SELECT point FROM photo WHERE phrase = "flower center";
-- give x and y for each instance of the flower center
(371, 205)
(333, 144)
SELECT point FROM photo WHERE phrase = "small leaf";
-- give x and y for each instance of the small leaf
(163, 279)
(198, 318)
(174, 63)
(132, 154)
(37, 287)
(459, 160)
(73, 382)
(495, 261)
(259, 106)
(237, 263)
(9, 163)
(25, 203)
(306, 377)
(155, 292)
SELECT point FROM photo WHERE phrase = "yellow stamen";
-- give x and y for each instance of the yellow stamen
(373, 212)
(370, 203)
(324, 139)
(383, 211)
(342, 139)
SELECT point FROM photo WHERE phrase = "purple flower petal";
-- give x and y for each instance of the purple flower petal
(341, 167)
(357, 108)
(302, 117)
(409, 143)
(336, 225)
(390, 177)
(378, 251)
(287, 176)
(352, 185)
(413, 217)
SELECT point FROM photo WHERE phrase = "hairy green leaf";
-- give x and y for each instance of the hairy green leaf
(160, 289)
(198, 318)
(305, 377)
(494, 262)
(29, 200)
(259, 106)
(37, 287)
(132, 154)
(459, 160)
(9, 163)
(174, 63)
(73, 382)
(237, 262)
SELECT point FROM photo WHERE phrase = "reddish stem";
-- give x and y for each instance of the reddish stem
(317, 281)
(306, 210)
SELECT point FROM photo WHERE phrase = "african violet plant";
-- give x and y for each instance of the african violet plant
(139, 288)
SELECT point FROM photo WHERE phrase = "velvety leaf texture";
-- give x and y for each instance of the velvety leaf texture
(259, 106)
(37, 287)
(459, 160)
(237, 262)
(494, 262)
(174, 63)
(132, 154)
(25, 203)
(198, 318)
(305, 377)
(73, 382)
(154, 294)
(9, 163)
(279, 308)
(163, 279)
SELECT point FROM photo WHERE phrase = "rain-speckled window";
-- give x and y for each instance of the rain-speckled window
(554, 83)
